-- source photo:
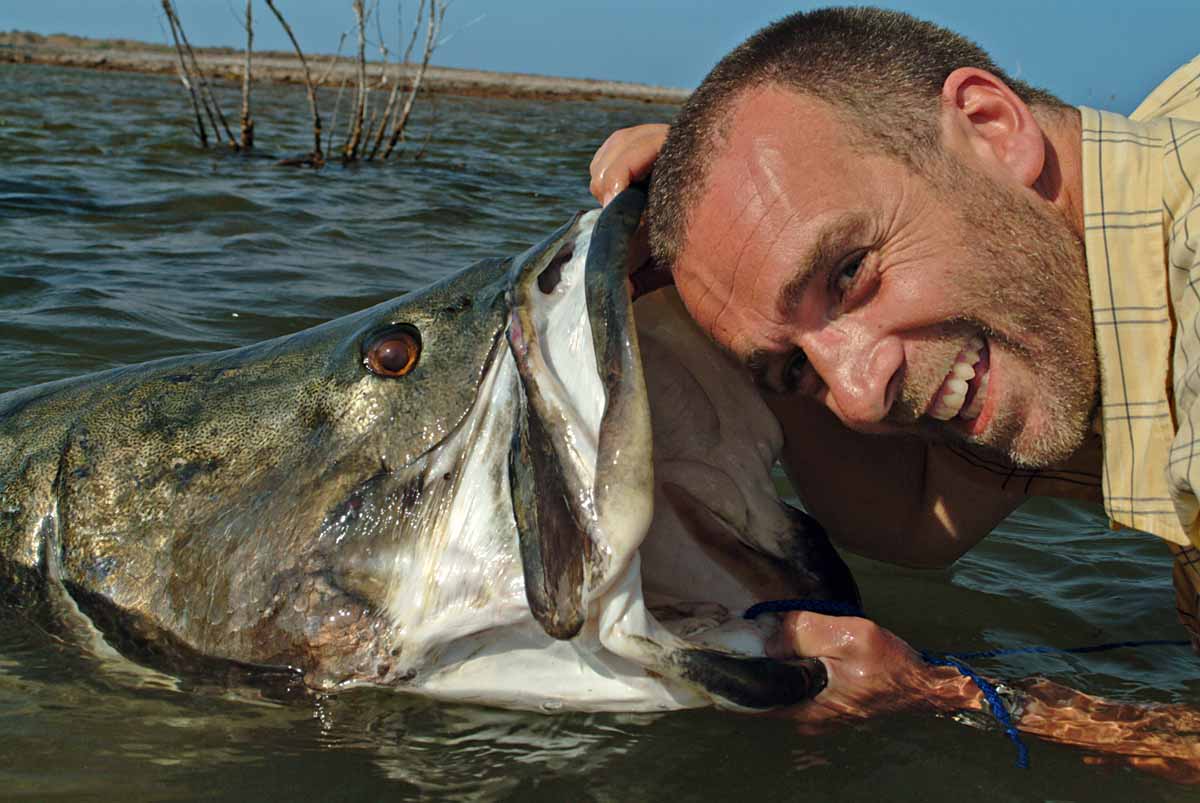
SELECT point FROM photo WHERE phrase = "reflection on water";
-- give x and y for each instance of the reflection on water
(121, 242)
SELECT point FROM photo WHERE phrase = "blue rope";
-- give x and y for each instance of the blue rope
(956, 659)
(999, 710)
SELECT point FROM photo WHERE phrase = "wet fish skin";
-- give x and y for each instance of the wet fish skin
(198, 494)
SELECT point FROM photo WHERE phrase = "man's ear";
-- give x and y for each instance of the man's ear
(980, 113)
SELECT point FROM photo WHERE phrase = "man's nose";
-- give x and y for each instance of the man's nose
(861, 368)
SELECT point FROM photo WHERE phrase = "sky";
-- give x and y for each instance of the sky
(1101, 53)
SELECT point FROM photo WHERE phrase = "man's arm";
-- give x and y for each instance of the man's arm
(872, 671)
(891, 498)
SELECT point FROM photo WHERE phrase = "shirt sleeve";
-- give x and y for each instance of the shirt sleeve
(1187, 590)
(1181, 199)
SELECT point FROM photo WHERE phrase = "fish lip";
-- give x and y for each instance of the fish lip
(754, 683)
(580, 521)
(732, 679)
(725, 677)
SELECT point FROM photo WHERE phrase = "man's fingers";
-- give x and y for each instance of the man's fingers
(613, 181)
(804, 633)
(871, 670)
(625, 157)
(602, 170)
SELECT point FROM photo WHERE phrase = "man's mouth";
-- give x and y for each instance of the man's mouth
(964, 390)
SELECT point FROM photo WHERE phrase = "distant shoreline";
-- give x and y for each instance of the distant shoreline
(124, 55)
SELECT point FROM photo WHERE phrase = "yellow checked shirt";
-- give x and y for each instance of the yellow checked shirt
(1141, 184)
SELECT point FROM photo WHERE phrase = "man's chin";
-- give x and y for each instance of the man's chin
(1044, 452)
(1011, 442)
(1042, 444)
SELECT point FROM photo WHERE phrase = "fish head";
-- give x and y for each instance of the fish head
(387, 531)
(590, 532)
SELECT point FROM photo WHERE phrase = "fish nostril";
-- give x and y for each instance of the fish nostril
(549, 278)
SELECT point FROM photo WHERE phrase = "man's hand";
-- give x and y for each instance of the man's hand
(625, 157)
(871, 671)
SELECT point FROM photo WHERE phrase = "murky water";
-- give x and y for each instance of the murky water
(120, 241)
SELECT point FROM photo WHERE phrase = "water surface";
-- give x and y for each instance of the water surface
(121, 241)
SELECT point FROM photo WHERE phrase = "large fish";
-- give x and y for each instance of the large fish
(496, 490)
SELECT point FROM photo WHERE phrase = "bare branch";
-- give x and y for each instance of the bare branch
(247, 121)
(416, 30)
(389, 110)
(360, 106)
(201, 131)
(206, 94)
(370, 124)
(383, 48)
(333, 61)
(384, 119)
(437, 12)
(318, 157)
(337, 104)
(480, 18)
(433, 109)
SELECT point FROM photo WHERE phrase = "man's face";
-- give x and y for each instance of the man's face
(954, 305)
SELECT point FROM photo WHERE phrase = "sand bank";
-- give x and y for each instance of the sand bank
(131, 56)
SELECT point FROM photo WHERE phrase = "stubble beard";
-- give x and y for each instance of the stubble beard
(1029, 296)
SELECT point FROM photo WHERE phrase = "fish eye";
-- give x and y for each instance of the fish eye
(392, 352)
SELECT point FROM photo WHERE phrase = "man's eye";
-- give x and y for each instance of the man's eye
(793, 371)
(843, 279)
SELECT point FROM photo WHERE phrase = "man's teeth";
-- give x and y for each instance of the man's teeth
(953, 391)
(972, 412)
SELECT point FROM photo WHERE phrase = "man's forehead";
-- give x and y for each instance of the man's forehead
(773, 111)
(779, 176)
(781, 154)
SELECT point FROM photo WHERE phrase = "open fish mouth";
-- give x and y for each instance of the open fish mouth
(584, 490)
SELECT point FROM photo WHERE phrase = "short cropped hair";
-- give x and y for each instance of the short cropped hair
(881, 71)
